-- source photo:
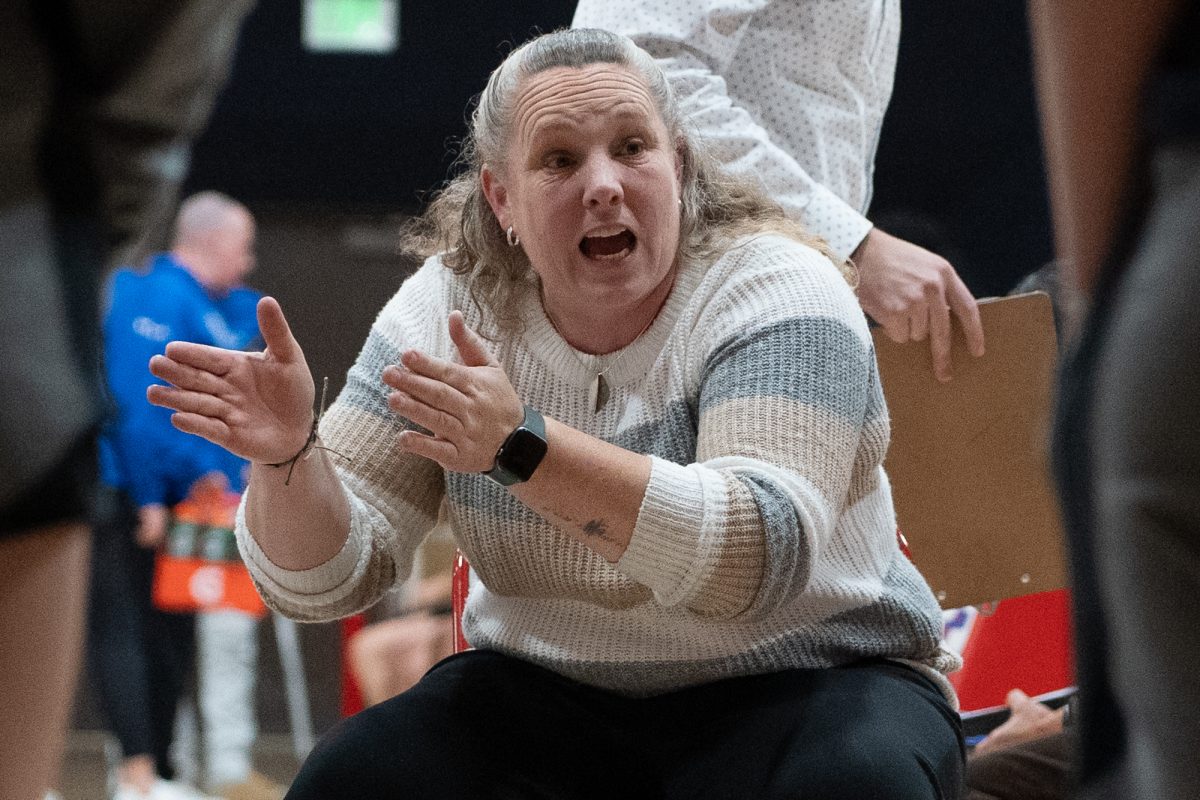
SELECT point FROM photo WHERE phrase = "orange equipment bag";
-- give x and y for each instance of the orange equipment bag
(199, 568)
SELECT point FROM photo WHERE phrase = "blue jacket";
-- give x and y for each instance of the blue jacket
(141, 452)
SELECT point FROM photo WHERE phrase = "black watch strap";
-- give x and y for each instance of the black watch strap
(521, 452)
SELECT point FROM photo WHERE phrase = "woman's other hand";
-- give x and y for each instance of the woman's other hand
(470, 408)
(255, 405)
(151, 530)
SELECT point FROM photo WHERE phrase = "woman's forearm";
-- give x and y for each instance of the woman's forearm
(302, 521)
(590, 489)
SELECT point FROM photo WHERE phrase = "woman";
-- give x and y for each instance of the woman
(684, 540)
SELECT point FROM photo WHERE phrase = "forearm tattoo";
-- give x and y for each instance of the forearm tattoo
(597, 528)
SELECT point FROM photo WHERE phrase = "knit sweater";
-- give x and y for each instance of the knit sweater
(765, 540)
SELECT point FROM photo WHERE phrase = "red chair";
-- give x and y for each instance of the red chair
(1024, 643)
(461, 584)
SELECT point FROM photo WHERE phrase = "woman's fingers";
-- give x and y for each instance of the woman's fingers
(454, 375)
(428, 417)
(471, 346)
(918, 325)
(966, 309)
(210, 428)
(186, 376)
(439, 450)
(187, 401)
(430, 391)
(276, 332)
(940, 340)
(202, 357)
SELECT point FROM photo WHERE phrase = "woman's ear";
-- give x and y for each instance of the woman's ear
(496, 194)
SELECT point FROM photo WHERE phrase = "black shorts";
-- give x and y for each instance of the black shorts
(64, 494)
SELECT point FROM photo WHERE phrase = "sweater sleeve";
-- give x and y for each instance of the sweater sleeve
(792, 429)
(393, 496)
(745, 148)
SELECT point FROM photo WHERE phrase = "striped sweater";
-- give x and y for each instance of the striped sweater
(766, 538)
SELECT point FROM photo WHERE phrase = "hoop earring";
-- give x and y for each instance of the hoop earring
(513, 240)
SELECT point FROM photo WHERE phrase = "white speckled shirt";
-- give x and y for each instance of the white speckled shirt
(791, 92)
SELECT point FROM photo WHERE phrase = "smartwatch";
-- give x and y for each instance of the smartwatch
(521, 452)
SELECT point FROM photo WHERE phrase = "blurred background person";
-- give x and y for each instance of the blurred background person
(1120, 98)
(98, 107)
(411, 628)
(141, 656)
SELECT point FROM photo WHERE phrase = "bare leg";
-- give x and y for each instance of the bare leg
(389, 657)
(43, 586)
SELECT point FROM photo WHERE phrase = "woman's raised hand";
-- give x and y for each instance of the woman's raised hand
(470, 408)
(255, 405)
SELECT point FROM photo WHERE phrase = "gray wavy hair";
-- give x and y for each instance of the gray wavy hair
(459, 223)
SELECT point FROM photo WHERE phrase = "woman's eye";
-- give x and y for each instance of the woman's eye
(633, 147)
(557, 161)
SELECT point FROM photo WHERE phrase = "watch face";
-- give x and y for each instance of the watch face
(522, 453)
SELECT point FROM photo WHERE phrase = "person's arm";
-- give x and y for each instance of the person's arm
(321, 541)
(589, 488)
(914, 294)
(738, 530)
(1091, 61)
(259, 406)
(1028, 720)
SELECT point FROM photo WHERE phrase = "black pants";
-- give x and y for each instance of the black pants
(484, 725)
(1127, 454)
(139, 657)
(64, 494)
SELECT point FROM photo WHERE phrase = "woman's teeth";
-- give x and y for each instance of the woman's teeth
(611, 246)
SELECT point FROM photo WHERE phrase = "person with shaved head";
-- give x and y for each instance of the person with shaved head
(140, 655)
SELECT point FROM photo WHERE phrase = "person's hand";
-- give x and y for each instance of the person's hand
(1027, 721)
(255, 405)
(912, 292)
(470, 408)
(214, 482)
(152, 525)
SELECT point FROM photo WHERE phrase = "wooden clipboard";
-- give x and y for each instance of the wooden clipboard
(968, 460)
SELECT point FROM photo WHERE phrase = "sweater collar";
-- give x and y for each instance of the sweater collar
(620, 366)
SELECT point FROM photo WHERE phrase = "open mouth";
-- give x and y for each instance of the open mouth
(608, 246)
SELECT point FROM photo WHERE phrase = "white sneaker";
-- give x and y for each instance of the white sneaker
(161, 789)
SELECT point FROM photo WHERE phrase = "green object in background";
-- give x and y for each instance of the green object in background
(351, 26)
(206, 542)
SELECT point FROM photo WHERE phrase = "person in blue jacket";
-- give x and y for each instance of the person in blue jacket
(140, 656)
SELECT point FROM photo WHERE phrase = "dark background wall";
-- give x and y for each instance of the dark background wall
(358, 131)
(330, 151)
(960, 152)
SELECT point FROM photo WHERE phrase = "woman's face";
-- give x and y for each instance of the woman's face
(591, 186)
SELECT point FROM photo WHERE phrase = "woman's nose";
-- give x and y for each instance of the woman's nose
(602, 185)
